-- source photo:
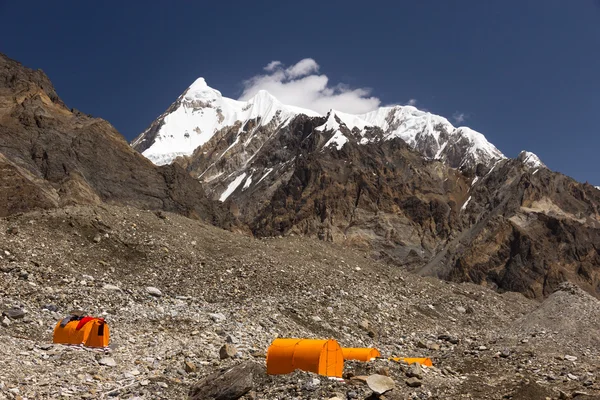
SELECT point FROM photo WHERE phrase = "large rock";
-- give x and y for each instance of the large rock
(14, 313)
(230, 384)
(227, 351)
(380, 383)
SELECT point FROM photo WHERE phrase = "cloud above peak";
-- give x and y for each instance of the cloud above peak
(303, 86)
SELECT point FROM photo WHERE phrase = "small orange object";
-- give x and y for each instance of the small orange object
(323, 357)
(360, 354)
(420, 360)
(87, 331)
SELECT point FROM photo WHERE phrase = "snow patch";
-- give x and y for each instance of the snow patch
(464, 207)
(232, 186)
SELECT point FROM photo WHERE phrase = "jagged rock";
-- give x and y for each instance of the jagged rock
(227, 351)
(414, 371)
(230, 384)
(380, 383)
(189, 367)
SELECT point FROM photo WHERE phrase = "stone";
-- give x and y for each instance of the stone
(229, 385)
(570, 358)
(97, 239)
(380, 383)
(448, 338)
(433, 346)
(217, 317)
(107, 362)
(189, 367)
(505, 353)
(414, 371)
(461, 309)
(14, 313)
(50, 307)
(364, 324)
(112, 288)
(5, 322)
(572, 377)
(413, 382)
(152, 291)
(46, 347)
(227, 351)
(421, 344)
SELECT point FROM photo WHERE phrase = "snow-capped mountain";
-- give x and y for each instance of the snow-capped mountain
(201, 112)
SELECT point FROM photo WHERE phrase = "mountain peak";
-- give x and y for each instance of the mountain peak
(530, 160)
(199, 90)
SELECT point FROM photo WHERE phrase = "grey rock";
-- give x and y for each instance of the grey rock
(413, 382)
(380, 383)
(107, 362)
(14, 313)
(415, 371)
(217, 317)
(230, 384)
(5, 322)
(152, 291)
(570, 358)
(112, 288)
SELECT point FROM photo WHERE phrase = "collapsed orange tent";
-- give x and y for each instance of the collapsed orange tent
(360, 354)
(88, 331)
(323, 357)
(420, 360)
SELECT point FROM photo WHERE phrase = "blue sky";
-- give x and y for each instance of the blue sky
(524, 73)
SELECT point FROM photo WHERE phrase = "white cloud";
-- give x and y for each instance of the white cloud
(412, 102)
(459, 117)
(272, 66)
(301, 85)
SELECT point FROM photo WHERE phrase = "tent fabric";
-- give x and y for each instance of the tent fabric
(360, 354)
(94, 332)
(420, 360)
(323, 357)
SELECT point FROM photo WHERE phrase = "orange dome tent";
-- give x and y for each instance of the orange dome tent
(323, 357)
(88, 331)
(360, 354)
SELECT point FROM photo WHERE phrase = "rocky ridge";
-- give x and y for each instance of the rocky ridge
(51, 156)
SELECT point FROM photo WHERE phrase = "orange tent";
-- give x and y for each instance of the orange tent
(420, 360)
(360, 354)
(323, 357)
(88, 331)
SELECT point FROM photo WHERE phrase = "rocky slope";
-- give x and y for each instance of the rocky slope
(52, 156)
(218, 288)
(402, 184)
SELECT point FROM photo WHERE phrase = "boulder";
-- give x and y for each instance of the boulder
(227, 351)
(380, 383)
(230, 384)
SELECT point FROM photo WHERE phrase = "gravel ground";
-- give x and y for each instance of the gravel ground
(218, 288)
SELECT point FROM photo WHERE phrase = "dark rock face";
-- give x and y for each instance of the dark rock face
(507, 225)
(230, 384)
(51, 156)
